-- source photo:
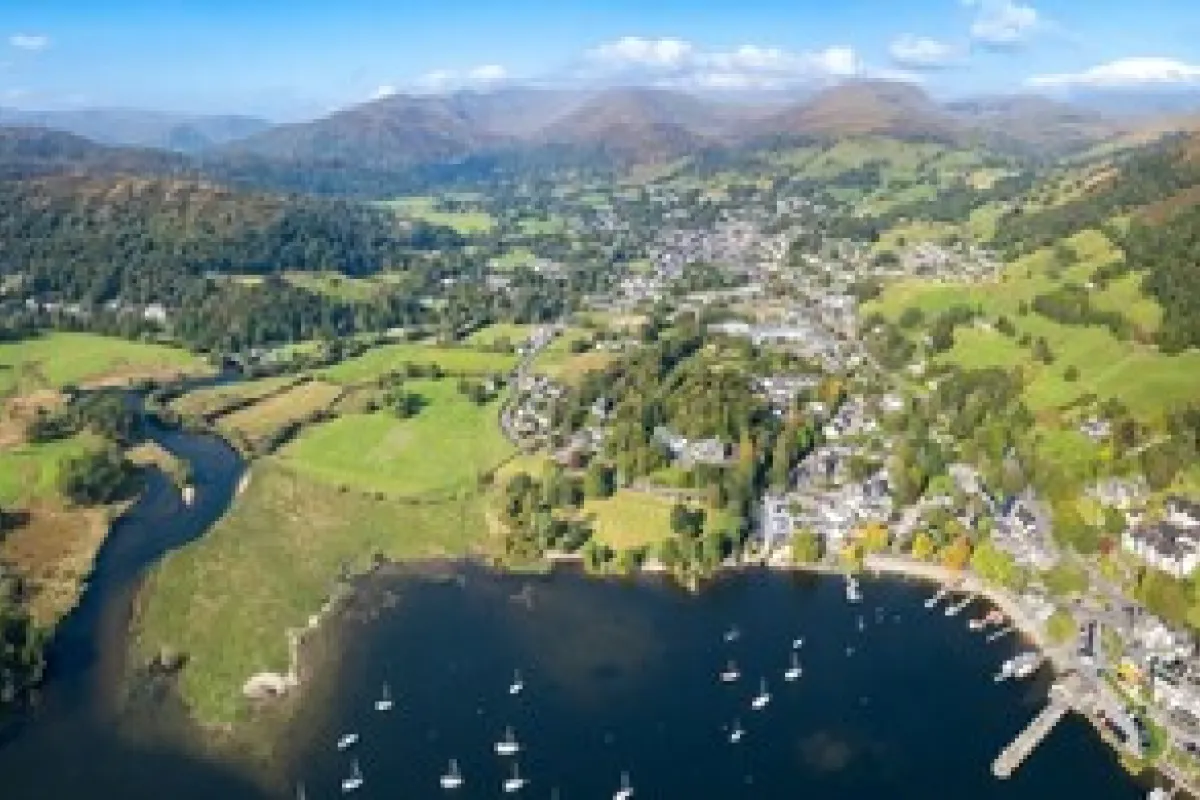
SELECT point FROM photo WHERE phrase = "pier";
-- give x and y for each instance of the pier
(1064, 697)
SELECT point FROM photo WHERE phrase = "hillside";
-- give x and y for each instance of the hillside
(1036, 125)
(30, 151)
(861, 108)
(138, 128)
(394, 132)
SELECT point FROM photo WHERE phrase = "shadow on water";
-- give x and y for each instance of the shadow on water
(73, 742)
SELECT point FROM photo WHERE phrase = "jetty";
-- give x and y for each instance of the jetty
(1065, 695)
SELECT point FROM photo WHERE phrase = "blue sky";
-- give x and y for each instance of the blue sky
(303, 57)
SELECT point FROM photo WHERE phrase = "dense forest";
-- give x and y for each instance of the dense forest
(1170, 254)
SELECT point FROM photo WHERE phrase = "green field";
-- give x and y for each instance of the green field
(445, 448)
(513, 259)
(1144, 379)
(514, 333)
(341, 287)
(216, 400)
(425, 209)
(630, 519)
(261, 423)
(55, 360)
(227, 599)
(29, 472)
(392, 357)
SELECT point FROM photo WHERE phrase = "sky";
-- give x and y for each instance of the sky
(299, 58)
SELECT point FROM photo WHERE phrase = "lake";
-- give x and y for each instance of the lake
(622, 676)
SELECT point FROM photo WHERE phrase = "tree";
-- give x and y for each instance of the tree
(806, 547)
(781, 460)
(957, 554)
(874, 537)
(923, 546)
(993, 565)
(599, 481)
(1061, 627)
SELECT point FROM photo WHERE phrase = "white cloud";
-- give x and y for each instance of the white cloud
(488, 73)
(1003, 23)
(29, 41)
(674, 63)
(634, 50)
(386, 90)
(1125, 73)
(921, 52)
(445, 80)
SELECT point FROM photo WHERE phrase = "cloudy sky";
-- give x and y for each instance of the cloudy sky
(294, 58)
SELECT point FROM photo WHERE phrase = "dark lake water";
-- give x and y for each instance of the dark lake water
(620, 676)
(623, 677)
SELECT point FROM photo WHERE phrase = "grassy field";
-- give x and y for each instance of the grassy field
(513, 259)
(514, 333)
(441, 450)
(227, 599)
(424, 208)
(259, 423)
(558, 362)
(341, 287)
(630, 519)
(388, 358)
(216, 400)
(29, 472)
(55, 360)
(1146, 380)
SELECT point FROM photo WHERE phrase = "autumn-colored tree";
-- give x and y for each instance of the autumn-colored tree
(923, 547)
(874, 537)
(956, 554)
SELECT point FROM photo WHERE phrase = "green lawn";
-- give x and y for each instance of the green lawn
(29, 472)
(424, 208)
(54, 360)
(227, 599)
(445, 448)
(630, 519)
(388, 358)
(342, 287)
(513, 258)
(1146, 380)
(514, 333)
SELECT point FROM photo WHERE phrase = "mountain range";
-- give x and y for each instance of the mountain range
(622, 126)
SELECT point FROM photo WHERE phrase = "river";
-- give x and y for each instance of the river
(619, 676)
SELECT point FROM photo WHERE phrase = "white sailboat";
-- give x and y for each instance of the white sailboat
(346, 741)
(384, 703)
(626, 790)
(737, 733)
(730, 673)
(762, 698)
(453, 778)
(797, 643)
(733, 634)
(517, 684)
(355, 781)
(516, 783)
(793, 672)
(508, 746)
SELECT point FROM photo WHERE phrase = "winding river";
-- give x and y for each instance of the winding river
(894, 701)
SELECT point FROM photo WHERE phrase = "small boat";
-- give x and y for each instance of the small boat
(994, 635)
(733, 634)
(955, 610)
(793, 672)
(508, 746)
(937, 598)
(730, 673)
(976, 624)
(1025, 664)
(355, 781)
(853, 592)
(347, 740)
(797, 643)
(626, 790)
(453, 778)
(517, 684)
(849, 651)
(516, 783)
(384, 703)
(762, 698)
(737, 733)
(1005, 672)
(862, 625)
